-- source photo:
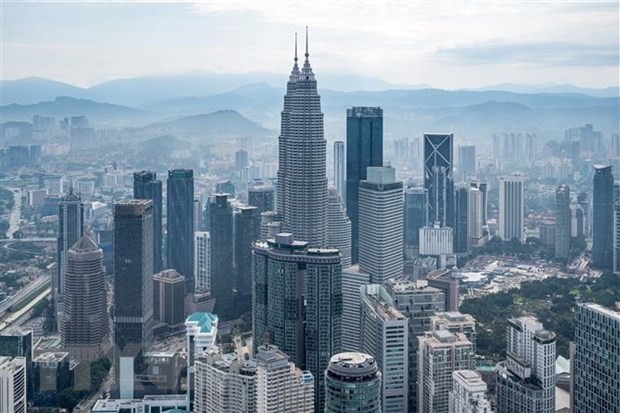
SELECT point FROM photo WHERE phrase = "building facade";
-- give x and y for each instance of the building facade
(262, 197)
(13, 385)
(438, 179)
(169, 297)
(147, 186)
(202, 262)
(467, 162)
(339, 168)
(338, 227)
(602, 217)
(221, 254)
(468, 394)
(416, 217)
(511, 207)
(247, 230)
(562, 222)
(352, 383)
(180, 224)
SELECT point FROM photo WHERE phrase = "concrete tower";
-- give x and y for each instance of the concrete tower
(339, 168)
(180, 222)
(511, 207)
(352, 384)
(338, 227)
(562, 222)
(602, 217)
(438, 180)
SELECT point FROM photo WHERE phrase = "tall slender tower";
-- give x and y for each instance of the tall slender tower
(339, 168)
(511, 207)
(364, 149)
(438, 180)
(302, 177)
(338, 227)
(602, 217)
(221, 254)
(180, 223)
(147, 186)
(562, 221)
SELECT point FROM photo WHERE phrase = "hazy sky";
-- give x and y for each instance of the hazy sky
(444, 44)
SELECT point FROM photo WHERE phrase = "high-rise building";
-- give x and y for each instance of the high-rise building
(202, 262)
(70, 230)
(18, 342)
(352, 280)
(418, 302)
(180, 224)
(270, 225)
(562, 222)
(475, 217)
(468, 394)
(616, 246)
(461, 224)
(436, 240)
(198, 215)
(352, 384)
(169, 297)
(584, 203)
(225, 187)
(133, 288)
(364, 149)
(482, 187)
(416, 217)
(201, 335)
(338, 227)
(438, 180)
(511, 207)
(384, 335)
(147, 186)
(242, 159)
(455, 322)
(85, 323)
(13, 385)
(262, 197)
(441, 353)
(602, 212)
(446, 281)
(247, 230)
(380, 219)
(595, 360)
(339, 168)
(526, 380)
(467, 162)
(221, 252)
(302, 175)
(297, 302)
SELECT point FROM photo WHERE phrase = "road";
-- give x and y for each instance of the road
(16, 213)
(15, 319)
(25, 292)
(4, 241)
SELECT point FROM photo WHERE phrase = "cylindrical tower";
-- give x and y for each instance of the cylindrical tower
(352, 384)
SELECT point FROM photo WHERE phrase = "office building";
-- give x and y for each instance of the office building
(198, 216)
(13, 385)
(467, 162)
(482, 187)
(17, 342)
(456, 322)
(340, 169)
(447, 281)
(133, 288)
(526, 380)
(201, 334)
(417, 301)
(338, 227)
(147, 186)
(302, 174)
(202, 262)
(436, 240)
(562, 222)
(221, 252)
(416, 217)
(595, 362)
(511, 207)
(352, 280)
(364, 149)
(169, 297)
(52, 371)
(602, 217)
(247, 230)
(461, 224)
(225, 187)
(475, 218)
(70, 230)
(384, 335)
(297, 302)
(616, 234)
(262, 197)
(441, 353)
(242, 159)
(180, 224)
(380, 219)
(352, 384)
(438, 180)
(270, 225)
(468, 394)
(85, 322)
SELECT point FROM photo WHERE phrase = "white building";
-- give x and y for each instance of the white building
(384, 335)
(381, 224)
(338, 227)
(352, 280)
(468, 394)
(339, 168)
(456, 322)
(202, 262)
(201, 335)
(148, 404)
(475, 216)
(13, 385)
(436, 240)
(511, 207)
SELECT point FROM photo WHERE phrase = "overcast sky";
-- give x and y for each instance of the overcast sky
(443, 44)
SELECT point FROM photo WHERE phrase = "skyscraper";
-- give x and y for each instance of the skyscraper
(70, 230)
(262, 197)
(384, 335)
(562, 222)
(180, 224)
(247, 230)
(416, 217)
(468, 394)
(461, 233)
(133, 288)
(85, 325)
(455, 322)
(18, 342)
(475, 218)
(302, 176)
(616, 252)
(467, 162)
(338, 227)
(381, 224)
(297, 302)
(441, 353)
(438, 180)
(364, 149)
(595, 359)
(352, 383)
(526, 380)
(511, 207)
(221, 255)
(13, 385)
(147, 186)
(602, 217)
(169, 297)
(339, 168)
(202, 262)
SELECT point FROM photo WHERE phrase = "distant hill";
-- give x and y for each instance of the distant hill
(32, 90)
(100, 114)
(216, 125)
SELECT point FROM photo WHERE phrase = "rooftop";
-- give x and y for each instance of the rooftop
(205, 321)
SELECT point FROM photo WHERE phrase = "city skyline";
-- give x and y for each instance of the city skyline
(511, 42)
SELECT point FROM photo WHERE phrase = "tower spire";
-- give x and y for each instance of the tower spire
(295, 47)
(307, 54)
